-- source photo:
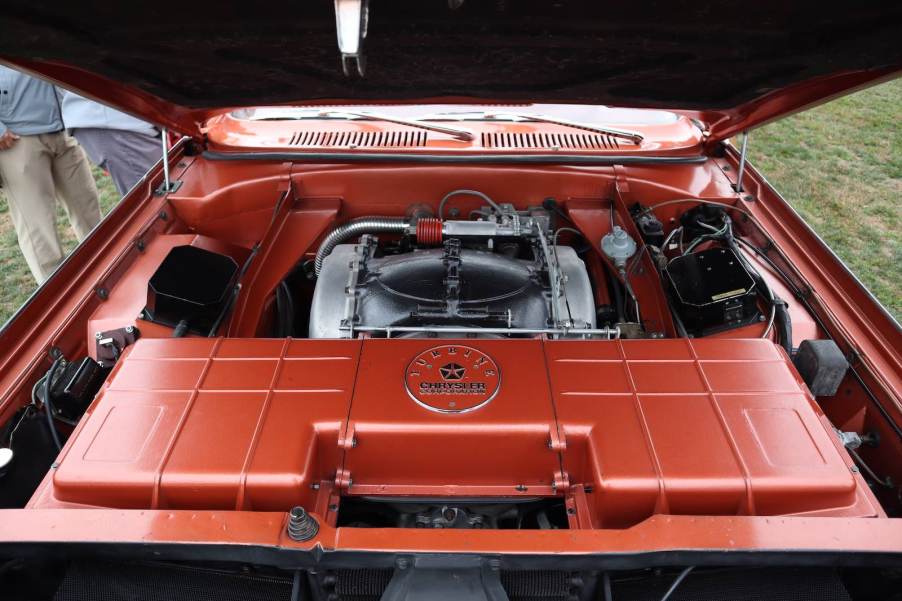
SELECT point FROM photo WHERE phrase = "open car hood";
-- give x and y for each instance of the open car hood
(736, 65)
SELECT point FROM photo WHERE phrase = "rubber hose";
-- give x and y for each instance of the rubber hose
(615, 289)
(783, 323)
(181, 328)
(48, 405)
(353, 229)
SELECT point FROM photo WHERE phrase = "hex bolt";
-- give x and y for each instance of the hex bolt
(301, 525)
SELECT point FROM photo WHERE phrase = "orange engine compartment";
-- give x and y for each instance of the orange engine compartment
(619, 430)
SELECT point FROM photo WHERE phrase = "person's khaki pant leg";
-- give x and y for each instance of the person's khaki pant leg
(28, 184)
(75, 185)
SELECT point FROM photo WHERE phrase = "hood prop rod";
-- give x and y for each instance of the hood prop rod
(742, 155)
(168, 185)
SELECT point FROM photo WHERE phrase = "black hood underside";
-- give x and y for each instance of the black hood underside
(677, 54)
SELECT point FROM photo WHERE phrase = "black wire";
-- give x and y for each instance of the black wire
(280, 311)
(608, 594)
(801, 298)
(291, 313)
(284, 310)
(676, 583)
(771, 264)
(441, 204)
(10, 565)
(615, 285)
(48, 405)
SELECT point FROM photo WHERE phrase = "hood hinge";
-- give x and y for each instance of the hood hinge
(343, 479)
(560, 482)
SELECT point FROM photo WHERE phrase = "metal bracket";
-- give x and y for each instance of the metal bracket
(556, 442)
(351, 19)
(111, 343)
(362, 253)
(459, 577)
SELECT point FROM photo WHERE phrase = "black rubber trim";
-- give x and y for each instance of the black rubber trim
(281, 557)
(394, 157)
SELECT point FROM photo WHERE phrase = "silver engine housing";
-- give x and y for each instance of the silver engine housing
(490, 290)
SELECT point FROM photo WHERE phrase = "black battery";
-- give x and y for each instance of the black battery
(711, 291)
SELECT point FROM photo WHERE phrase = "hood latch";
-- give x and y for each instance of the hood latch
(351, 18)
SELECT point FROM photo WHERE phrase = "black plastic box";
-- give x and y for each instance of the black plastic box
(191, 284)
(711, 290)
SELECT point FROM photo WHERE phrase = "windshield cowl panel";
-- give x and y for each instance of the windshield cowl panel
(495, 129)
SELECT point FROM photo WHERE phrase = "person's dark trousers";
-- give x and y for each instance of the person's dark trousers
(126, 155)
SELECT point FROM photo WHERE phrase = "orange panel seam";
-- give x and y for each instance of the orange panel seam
(734, 448)
(261, 419)
(663, 505)
(158, 477)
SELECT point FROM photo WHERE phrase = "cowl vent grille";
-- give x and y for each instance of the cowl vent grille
(358, 139)
(549, 140)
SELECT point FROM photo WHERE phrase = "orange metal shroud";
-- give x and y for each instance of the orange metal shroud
(233, 201)
(622, 430)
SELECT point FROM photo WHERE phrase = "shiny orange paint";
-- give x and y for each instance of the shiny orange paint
(237, 204)
(637, 428)
(212, 424)
(228, 133)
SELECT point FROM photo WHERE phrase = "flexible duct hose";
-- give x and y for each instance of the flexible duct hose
(353, 229)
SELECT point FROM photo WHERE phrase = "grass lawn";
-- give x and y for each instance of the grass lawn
(840, 165)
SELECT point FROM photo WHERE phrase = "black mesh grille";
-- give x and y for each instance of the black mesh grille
(766, 584)
(159, 582)
(151, 582)
(536, 585)
(362, 584)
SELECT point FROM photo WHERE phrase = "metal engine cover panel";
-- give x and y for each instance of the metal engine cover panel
(241, 424)
(632, 428)
(409, 289)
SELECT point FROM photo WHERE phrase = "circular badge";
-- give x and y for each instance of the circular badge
(452, 379)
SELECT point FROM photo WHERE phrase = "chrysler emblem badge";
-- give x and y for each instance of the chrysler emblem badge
(452, 379)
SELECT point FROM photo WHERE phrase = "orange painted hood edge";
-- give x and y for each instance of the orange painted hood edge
(191, 122)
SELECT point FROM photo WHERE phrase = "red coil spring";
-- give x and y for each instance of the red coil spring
(429, 231)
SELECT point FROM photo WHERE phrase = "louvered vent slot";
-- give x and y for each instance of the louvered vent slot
(545, 140)
(358, 139)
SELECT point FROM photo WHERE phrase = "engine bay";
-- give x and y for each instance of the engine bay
(397, 360)
(502, 272)
(460, 363)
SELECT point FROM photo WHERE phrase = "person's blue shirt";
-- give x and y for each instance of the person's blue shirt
(79, 112)
(28, 106)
